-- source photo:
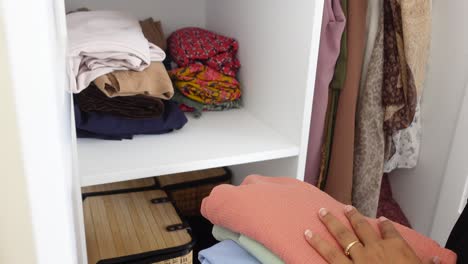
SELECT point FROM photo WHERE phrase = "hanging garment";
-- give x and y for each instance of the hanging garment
(333, 23)
(152, 82)
(399, 95)
(330, 118)
(191, 45)
(340, 176)
(256, 249)
(406, 145)
(100, 42)
(416, 19)
(458, 239)
(258, 209)
(370, 138)
(374, 15)
(388, 207)
(106, 126)
(226, 252)
(205, 85)
(153, 32)
(334, 91)
(93, 99)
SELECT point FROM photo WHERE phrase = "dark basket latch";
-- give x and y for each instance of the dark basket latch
(178, 227)
(160, 200)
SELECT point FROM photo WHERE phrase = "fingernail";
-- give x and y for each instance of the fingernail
(436, 260)
(382, 219)
(308, 234)
(323, 212)
(348, 208)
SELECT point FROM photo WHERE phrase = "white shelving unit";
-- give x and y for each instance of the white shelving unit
(278, 52)
(279, 44)
(214, 140)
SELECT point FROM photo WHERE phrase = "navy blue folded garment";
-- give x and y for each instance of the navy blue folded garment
(112, 127)
(86, 134)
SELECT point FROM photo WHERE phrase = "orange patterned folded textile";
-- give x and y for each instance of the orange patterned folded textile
(205, 85)
(276, 212)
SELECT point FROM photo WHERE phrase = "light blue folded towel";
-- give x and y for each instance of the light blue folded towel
(260, 252)
(226, 252)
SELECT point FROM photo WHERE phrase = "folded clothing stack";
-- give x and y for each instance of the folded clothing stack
(226, 252)
(272, 213)
(257, 250)
(101, 42)
(206, 77)
(103, 125)
(116, 72)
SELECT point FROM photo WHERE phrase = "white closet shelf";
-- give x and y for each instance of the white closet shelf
(214, 140)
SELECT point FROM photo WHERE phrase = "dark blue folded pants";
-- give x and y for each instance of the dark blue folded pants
(106, 126)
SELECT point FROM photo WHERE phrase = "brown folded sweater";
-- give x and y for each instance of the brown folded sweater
(93, 99)
(153, 32)
(153, 81)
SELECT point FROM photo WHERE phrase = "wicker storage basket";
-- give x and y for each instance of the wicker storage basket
(135, 227)
(118, 187)
(188, 189)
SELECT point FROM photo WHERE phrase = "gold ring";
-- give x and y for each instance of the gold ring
(348, 248)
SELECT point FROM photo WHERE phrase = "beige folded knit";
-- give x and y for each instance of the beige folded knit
(153, 81)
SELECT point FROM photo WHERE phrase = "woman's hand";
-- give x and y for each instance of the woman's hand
(363, 245)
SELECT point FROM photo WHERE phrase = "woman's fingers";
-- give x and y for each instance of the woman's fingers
(330, 253)
(361, 226)
(387, 229)
(342, 234)
(434, 260)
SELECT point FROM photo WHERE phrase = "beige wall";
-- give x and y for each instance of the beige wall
(16, 236)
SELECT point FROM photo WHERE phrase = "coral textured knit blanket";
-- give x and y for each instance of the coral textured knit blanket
(276, 212)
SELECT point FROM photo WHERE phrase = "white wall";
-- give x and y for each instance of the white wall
(278, 52)
(35, 53)
(16, 239)
(417, 190)
(274, 51)
(274, 168)
(174, 14)
(454, 191)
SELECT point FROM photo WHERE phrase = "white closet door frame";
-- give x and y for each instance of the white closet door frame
(454, 192)
(35, 43)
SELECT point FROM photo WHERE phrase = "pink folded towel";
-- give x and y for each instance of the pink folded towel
(277, 211)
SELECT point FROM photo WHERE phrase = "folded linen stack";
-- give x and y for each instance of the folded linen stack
(122, 87)
(226, 252)
(206, 79)
(272, 213)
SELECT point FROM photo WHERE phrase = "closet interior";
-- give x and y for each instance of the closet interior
(275, 74)
(278, 45)
(269, 135)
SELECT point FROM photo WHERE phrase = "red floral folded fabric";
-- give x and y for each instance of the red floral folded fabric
(276, 212)
(191, 45)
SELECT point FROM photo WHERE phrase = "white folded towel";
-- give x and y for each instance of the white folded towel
(100, 42)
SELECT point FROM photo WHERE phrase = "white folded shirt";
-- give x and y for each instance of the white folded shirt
(100, 42)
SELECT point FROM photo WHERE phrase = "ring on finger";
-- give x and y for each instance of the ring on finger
(350, 246)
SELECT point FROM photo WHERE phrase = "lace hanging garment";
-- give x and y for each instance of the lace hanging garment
(403, 146)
